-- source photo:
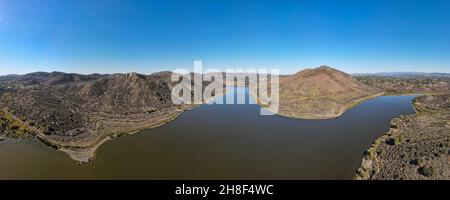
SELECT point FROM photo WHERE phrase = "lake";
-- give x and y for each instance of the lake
(221, 142)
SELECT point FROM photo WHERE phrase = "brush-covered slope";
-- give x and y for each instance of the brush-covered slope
(321, 93)
(75, 113)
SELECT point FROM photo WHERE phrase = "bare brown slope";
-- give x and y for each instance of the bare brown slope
(321, 93)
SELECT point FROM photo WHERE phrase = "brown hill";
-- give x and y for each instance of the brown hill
(321, 93)
(76, 113)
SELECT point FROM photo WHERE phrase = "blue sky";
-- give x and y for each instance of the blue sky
(107, 36)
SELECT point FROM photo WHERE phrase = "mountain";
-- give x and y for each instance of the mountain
(321, 93)
(52, 78)
(76, 113)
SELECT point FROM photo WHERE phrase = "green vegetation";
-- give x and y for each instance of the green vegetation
(426, 171)
(377, 141)
(13, 127)
(363, 173)
(371, 153)
(399, 139)
(6, 97)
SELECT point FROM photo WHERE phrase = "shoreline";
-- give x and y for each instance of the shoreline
(372, 160)
(366, 168)
(344, 109)
(87, 154)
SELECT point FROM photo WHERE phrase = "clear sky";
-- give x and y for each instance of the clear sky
(107, 36)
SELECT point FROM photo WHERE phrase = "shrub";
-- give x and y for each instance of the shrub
(400, 139)
(377, 141)
(7, 97)
(426, 171)
(371, 154)
(14, 127)
(414, 162)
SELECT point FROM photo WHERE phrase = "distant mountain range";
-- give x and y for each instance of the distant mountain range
(386, 74)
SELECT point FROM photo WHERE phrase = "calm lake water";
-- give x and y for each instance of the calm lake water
(221, 142)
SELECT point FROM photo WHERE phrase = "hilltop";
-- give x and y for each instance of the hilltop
(321, 93)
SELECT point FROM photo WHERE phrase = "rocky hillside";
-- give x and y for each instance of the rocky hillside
(408, 85)
(44, 78)
(321, 93)
(416, 146)
(76, 113)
